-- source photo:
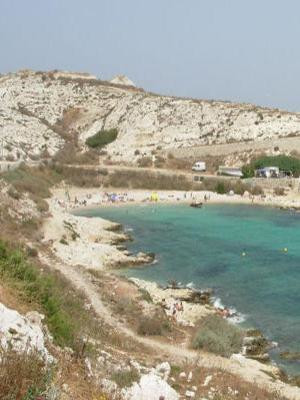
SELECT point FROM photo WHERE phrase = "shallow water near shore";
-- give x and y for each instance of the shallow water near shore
(205, 246)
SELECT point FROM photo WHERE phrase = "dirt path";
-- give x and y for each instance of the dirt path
(248, 371)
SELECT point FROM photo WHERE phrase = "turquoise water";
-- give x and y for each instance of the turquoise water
(205, 246)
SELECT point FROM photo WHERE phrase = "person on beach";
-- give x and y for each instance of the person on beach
(223, 312)
(164, 304)
(174, 311)
(179, 306)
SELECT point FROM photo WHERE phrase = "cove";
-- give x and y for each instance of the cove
(205, 246)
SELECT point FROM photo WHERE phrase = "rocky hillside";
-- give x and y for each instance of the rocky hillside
(41, 111)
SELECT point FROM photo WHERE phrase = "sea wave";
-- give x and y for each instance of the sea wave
(190, 285)
(235, 316)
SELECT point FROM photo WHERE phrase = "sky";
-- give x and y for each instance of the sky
(237, 50)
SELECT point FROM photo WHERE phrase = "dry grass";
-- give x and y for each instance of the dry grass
(69, 155)
(140, 179)
(22, 375)
(226, 385)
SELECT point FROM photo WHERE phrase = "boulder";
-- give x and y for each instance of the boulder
(150, 386)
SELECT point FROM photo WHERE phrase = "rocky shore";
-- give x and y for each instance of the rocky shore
(99, 245)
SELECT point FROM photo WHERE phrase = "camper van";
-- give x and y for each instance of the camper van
(199, 166)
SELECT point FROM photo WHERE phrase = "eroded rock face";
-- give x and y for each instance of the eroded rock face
(22, 333)
(37, 108)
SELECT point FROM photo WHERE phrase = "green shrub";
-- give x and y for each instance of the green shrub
(217, 335)
(44, 289)
(153, 326)
(102, 138)
(220, 188)
(283, 162)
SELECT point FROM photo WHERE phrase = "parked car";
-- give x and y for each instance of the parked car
(199, 166)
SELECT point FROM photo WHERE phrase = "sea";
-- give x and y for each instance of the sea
(249, 255)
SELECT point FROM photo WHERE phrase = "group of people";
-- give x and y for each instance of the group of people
(225, 312)
(175, 308)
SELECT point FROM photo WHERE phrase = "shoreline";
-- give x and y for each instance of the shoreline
(142, 197)
(95, 198)
(100, 240)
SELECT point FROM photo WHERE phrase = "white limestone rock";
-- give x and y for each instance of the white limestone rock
(164, 369)
(149, 385)
(35, 105)
(23, 334)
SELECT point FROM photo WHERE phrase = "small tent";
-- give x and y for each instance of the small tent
(154, 196)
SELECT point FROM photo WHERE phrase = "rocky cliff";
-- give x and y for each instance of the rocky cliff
(40, 111)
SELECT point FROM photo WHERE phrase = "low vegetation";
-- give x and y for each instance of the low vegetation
(153, 326)
(102, 138)
(22, 375)
(283, 162)
(218, 336)
(126, 378)
(53, 295)
(69, 155)
(148, 180)
(225, 186)
(279, 191)
(38, 181)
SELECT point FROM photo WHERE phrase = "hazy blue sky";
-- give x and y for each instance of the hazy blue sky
(239, 50)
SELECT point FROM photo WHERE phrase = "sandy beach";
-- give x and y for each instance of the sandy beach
(73, 198)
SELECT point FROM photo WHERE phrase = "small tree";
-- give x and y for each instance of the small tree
(102, 138)
(220, 188)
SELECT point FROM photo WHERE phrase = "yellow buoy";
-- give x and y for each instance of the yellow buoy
(285, 249)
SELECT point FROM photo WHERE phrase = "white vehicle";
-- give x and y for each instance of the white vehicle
(199, 166)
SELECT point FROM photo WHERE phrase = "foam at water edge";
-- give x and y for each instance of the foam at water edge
(190, 285)
(237, 318)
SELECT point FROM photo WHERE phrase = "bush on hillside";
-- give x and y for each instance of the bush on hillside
(153, 326)
(279, 191)
(145, 162)
(217, 335)
(102, 138)
(220, 188)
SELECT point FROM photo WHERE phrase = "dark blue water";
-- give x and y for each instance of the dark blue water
(205, 246)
